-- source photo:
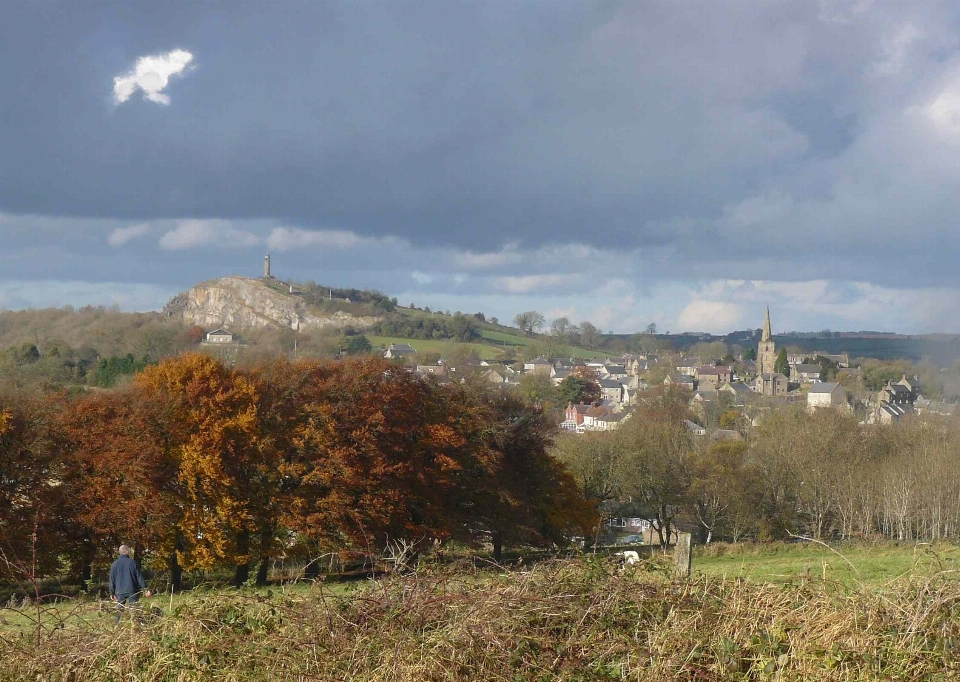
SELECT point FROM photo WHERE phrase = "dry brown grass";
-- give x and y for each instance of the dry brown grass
(561, 620)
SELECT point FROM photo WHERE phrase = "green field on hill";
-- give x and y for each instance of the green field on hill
(485, 351)
(497, 343)
(508, 339)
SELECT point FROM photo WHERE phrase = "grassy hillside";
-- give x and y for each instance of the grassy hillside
(485, 351)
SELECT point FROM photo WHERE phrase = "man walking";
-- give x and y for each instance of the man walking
(126, 581)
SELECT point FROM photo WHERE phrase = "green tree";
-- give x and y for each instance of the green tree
(355, 345)
(577, 389)
(781, 364)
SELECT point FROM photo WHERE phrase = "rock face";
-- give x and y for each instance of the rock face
(240, 303)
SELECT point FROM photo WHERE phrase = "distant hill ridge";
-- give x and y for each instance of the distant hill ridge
(242, 303)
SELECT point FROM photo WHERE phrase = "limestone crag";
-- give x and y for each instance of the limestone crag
(240, 303)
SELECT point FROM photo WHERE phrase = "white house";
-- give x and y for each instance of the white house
(219, 336)
(826, 394)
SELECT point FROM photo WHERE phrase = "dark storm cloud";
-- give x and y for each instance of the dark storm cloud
(683, 142)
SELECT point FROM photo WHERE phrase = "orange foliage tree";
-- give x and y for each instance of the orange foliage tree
(373, 456)
(226, 470)
(34, 524)
(122, 480)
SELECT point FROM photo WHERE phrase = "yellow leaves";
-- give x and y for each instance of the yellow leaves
(5, 419)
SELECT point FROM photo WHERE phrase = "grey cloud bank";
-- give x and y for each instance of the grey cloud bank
(515, 154)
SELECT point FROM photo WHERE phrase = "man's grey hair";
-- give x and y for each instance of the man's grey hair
(124, 550)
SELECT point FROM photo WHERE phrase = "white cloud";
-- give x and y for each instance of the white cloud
(151, 74)
(122, 235)
(192, 233)
(526, 284)
(710, 316)
(421, 278)
(288, 239)
(481, 261)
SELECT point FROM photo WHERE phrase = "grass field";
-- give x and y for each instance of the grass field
(872, 565)
(574, 620)
(517, 340)
(485, 351)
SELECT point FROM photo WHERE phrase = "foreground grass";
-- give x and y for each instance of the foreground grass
(561, 620)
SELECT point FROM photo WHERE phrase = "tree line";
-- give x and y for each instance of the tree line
(820, 474)
(199, 466)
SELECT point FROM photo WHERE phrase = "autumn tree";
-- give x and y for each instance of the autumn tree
(226, 469)
(523, 495)
(537, 389)
(122, 480)
(721, 491)
(374, 456)
(34, 520)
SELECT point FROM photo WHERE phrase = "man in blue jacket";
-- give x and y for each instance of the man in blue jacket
(126, 581)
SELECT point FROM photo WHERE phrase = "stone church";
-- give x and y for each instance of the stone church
(769, 383)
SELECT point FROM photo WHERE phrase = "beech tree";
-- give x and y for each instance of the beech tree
(225, 469)
(34, 522)
(523, 495)
(122, 481)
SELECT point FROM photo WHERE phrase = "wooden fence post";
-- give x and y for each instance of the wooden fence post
(683, 554)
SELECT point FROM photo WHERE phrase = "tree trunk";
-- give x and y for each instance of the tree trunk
(176, 572)
(497, 548)
(242, 574)
(263, 571)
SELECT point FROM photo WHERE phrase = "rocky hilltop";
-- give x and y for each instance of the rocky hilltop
(240, 303)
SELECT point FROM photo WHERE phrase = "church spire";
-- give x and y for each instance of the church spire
(766, 328)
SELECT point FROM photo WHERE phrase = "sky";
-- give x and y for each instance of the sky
(679, 163)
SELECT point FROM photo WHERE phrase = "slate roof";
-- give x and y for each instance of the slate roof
(824, 387)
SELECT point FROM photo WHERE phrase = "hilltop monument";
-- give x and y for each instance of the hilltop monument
(266, 267)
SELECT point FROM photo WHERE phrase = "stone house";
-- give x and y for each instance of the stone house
(771, 385)
(682, 381)
(713, 375)
(611, 390)
(826, 394)
(538, 366)
(616, 372)
(398, 350)
(805, 374)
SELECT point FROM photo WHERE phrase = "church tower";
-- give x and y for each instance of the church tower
(767, 350)
(266, 267)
